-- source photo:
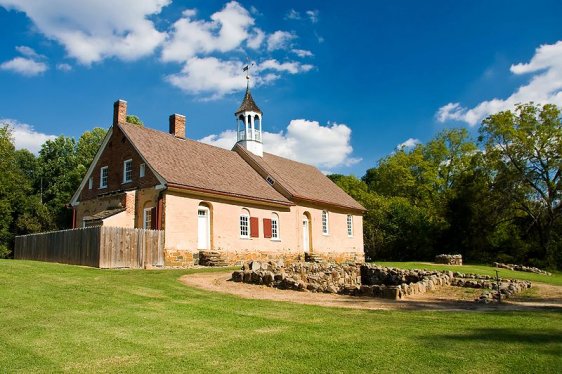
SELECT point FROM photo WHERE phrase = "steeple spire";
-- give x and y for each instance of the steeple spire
(248, 119)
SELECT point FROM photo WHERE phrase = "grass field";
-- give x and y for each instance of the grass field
(59, 318)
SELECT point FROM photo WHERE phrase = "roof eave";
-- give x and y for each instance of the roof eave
(178, 186)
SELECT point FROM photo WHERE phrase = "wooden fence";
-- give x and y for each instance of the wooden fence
(103, 247)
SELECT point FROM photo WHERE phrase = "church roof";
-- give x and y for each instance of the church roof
(200, 167)
(248, 104)
(302, 181)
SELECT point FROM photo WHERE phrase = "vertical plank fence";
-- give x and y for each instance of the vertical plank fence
(103, 247)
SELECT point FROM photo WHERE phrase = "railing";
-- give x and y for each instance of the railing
(256, 135)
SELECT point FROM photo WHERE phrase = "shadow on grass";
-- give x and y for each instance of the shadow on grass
(546, 342)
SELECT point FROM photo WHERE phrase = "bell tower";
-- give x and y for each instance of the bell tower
(248, 121)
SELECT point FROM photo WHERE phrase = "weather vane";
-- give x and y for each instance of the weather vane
(246, 68)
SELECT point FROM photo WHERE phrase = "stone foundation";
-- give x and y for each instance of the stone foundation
(180, 259)
(448, 259)
(367, 279)
(527, 269)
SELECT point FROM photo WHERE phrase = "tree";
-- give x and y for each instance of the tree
(61, 173)
(131, 118)
(525, 149)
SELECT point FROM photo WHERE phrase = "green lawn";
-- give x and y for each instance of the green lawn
(555, 278)
(56, 318)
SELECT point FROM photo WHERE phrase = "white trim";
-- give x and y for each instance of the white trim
(102, 169)
(275, 218)
(349, 222)
(208, 228)
(144, 215)
(327, 225)
(130, 162)
(244, 214)
(74, 200)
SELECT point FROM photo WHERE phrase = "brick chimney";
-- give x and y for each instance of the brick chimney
(119, 112)
(177, 125)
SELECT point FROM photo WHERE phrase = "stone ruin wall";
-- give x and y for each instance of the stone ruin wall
(368, 279)
(449, 259)
(527, 269)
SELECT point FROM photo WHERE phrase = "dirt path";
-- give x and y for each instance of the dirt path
(445, 299)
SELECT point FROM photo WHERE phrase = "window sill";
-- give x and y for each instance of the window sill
(275, 240)
(245, 238)
(125, 182)
(325, 234)
(103, 187)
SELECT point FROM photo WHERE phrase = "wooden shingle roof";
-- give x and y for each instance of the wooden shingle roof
(248, 104)
(302, 181)
(200, 167)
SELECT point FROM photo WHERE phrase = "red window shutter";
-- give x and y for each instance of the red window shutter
(266, 228)
(254, 227)
(153, 219)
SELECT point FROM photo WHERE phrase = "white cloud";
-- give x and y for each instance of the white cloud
(256, 38)
(305, 141)
(544, 86)
(25, 136)
(408, 144)
(91, 30)
(313, 15)
(302, 53)
(64, 67)
(293, 14)
(280, 40)
(209, 76)
(225, 32)
(24, 66)
(215, 78)
(29, 52)
(292, 67)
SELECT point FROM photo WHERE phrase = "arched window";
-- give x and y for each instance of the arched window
(325, 223)
(245, 223)
(349, 225)
(275, 226)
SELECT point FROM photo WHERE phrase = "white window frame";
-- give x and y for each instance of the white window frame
(104, 178)
(245, 225)
(90, 183)
(325, 223)
(128, 171)
(147, 218)
(142, 170)
(350, 225)
(275, 234)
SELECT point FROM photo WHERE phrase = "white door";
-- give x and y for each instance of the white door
(203, 232)
(305, 233)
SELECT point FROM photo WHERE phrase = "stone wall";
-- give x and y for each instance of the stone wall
(367, 279)
(527, 269)
(303, 276)
(448, 259)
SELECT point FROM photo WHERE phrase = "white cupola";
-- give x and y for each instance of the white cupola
(248, 121)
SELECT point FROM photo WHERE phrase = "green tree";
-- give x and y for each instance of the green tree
(131, 118)
(61, 174)
(525, 148)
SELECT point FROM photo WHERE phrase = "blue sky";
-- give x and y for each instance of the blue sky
(341, 84)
